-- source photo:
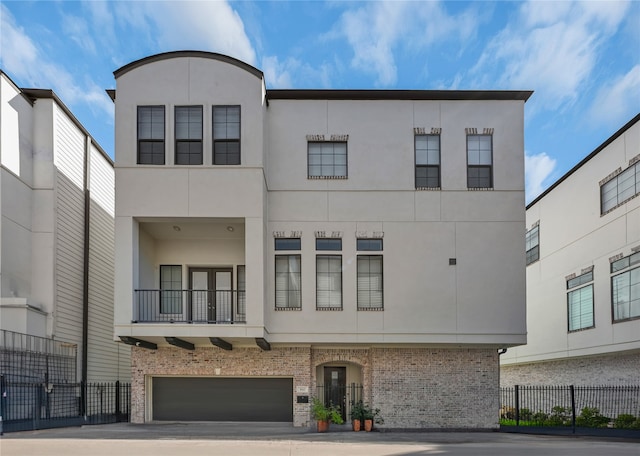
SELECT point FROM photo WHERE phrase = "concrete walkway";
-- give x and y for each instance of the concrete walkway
(257, 439)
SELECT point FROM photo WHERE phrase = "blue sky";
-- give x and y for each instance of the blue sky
(581, 58)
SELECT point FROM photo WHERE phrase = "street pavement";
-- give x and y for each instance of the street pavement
(280, 439)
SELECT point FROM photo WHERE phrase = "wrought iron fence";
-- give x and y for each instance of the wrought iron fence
(36, 405)
(342, 396)
(571, 406)
(190, 306)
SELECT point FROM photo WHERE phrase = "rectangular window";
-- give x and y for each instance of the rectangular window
(226, 135)
(329, 282)
(580, 302)
(625, 288)
(188, 135)
(479, 161)
(241, 306)
(288, 282)
(287, 243)
(151, 135)
(170, 289)
(620, 189)
(370, 245)
(427, 151)
(328, 244)
(370, 288)
(327, 159)
(532, 241)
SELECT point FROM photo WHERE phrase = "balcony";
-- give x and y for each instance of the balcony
(190, 306)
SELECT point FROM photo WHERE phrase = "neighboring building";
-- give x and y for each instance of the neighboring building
(273, 245)
(57, 241)
(583, 273)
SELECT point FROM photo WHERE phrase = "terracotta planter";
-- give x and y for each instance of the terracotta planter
(356, 425)
(323, 426)
(368, 425)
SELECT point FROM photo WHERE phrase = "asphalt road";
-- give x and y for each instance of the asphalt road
(268, 439)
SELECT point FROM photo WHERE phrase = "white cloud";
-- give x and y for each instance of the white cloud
(378, 29)
(292, 73)
(537, 169)
(552, 47)
(613, 102)
(78, 30)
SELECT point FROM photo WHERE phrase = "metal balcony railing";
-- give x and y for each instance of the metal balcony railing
(189, 306)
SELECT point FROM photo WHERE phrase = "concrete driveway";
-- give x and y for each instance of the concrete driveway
(258, 439)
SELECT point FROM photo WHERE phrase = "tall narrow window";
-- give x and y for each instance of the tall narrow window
(151, 135)
(427, 148)
(580, 302)
(479, 161)
(625, 288)
(327, 159)
(329, 282)
(188, 135)
(620, 189)
(370, 289)
(170, 289)
(241, 306)
(226, 135)
(532, 241)
(288, 281)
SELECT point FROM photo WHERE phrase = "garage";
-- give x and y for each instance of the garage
(222, 399)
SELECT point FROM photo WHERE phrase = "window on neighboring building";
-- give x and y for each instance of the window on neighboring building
(328, 244)
(620, 189)
(151, 135)
(188, 135)
(625, 288)
(479, 161)
(329, 282)
(226, 135)
(327, 159)
(427, 150)
(288, 282)
(170, 289)
(532, 245)
(580, 302)
(369, 275)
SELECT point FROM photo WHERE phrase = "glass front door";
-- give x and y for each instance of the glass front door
(211, 294)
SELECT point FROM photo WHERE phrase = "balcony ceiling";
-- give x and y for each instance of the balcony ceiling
(193, 228)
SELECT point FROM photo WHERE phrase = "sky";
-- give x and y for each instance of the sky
(581, 58)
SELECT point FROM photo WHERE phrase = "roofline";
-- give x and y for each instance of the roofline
(612, 138)
(321, 94)
(29, 100)
(178, 54)
(34, 94)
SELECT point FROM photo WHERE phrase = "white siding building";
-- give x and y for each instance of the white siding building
(583, 273)
(274, 245)
(57, 231)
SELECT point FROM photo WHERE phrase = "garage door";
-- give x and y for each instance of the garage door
(222, 399)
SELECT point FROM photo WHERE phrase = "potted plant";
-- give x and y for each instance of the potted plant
(324, 415)
(357, 415)
(371, 416)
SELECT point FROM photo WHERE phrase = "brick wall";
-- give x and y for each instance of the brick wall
(436, 388)
(610, 369)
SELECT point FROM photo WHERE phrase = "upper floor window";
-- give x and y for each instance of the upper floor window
(427, 150)
(151, 135)
(328, 244)
(370, 245)
(580, 302)
(625, 288)
(533, 244)
(287, 244)
(188, 135)
(170, 289)
(620, 189)
(479, 161)
(226, 135)
(327, 159)
(329, 282)
(370, 288)
(288, 282)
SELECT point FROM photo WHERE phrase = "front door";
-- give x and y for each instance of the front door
(211, 294)
(335, 388)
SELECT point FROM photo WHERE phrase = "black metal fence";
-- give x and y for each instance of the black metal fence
(342, 396)
(571, 407)
(36, 405)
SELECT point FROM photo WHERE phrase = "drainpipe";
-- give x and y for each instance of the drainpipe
(85, 277)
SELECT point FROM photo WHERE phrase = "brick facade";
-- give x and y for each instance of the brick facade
(413, 387)
(610, 369)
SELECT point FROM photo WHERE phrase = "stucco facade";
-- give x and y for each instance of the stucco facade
(449, 285)
(57, 231)
(588, 231)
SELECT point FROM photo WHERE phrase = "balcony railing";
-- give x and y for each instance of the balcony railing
(189, 306)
